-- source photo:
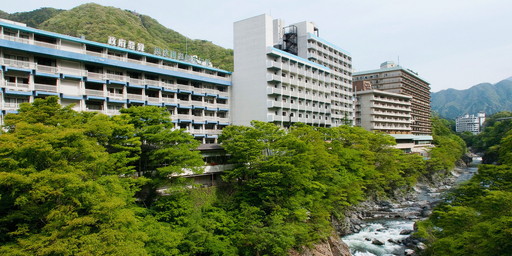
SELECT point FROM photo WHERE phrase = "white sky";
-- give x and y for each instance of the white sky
(450, 43)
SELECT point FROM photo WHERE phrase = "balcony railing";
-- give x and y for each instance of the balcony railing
(45, 87)
(94, 75)
(153, 99)
(132, 96)
(16, 39)
(92, 92)
(17, 86)
(18, 63)
(115, 77)
(115, 96)
(72, 71)
(45, 44)
(46, 69)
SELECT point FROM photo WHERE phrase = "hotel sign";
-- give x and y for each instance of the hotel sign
(182, 57)
(131, 45)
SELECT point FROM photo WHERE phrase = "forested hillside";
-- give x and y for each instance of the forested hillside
(490, 98)
(97, 23)
(476, 218)
(75, 183)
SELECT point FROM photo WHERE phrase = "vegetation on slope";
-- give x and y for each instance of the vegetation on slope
(476, 218)
(68, 184)
(32, 18)
(97, 23)
(448, 146)
(490, 98)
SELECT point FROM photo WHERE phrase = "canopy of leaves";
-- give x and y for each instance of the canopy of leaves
(66, 186)
(492, 140)
(477, 217)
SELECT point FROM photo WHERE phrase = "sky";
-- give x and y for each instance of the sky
(450, 43)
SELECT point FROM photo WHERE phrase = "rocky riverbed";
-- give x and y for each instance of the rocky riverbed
(384, 227)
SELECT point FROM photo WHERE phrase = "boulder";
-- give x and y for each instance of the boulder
(406, 232)
(393, 241)
(408, 252)
(421, 246)
(377, 242)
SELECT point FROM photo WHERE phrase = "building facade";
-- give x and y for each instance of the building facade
(383, 111)
(470, 123)
(287, 74)
(396, 79)
(103, 78)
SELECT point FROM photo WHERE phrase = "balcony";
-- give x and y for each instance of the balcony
(273, 78)
(182, 117)
(16, 39)
(11, 106)
(93, 75)
(17, 86)
(273, 64)
(115, 77)
(46, 69)
(45, 87)
(91, 92)
(18, 63)
(92, 53)
(115, 96)
(45, 44)
(169, 100)
(153, 99)
(132, 96)
(272, 90)
(72, 71)
(136, 81)
(185, 87)
(152, 82)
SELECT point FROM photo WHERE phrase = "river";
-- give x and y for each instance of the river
(382, 237)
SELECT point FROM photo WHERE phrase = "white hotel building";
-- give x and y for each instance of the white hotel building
(286, 74)
(103, 78)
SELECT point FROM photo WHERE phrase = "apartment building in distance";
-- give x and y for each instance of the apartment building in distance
(104, 78)
(470, 123)
(396, 79)
(287, 74)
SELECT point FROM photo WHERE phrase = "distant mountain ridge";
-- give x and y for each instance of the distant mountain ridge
(487, 97)
(97, 23)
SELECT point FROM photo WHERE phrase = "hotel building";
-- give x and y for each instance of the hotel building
(396, 79)
(103, 78)
(383, 111)
(287, 74)
(470, 123)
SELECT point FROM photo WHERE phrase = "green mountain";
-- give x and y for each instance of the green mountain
(97, 23)
(490, 98)
(32, 18)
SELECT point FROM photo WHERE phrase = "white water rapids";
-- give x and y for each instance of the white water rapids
(388, 231)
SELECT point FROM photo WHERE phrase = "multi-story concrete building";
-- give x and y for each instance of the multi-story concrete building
(286, 74)
(383, 111)
(104, 78)
(470, 123)
(396, 79)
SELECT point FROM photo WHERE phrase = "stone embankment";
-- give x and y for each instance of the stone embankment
(334, 246)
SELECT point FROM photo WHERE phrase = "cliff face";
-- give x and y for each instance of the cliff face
(334, 246)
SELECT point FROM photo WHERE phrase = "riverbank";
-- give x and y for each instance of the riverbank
(384, 227)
